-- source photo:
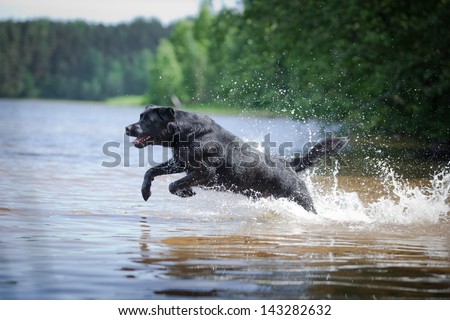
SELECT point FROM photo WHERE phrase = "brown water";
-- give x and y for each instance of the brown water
(72, 228)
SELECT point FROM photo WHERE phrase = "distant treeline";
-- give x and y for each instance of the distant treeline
(376, 65)
(76, 60)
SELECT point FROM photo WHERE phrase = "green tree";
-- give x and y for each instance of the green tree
(192, 57)
(136, 77)
(166, 76)
(202, 24)
(186, 52)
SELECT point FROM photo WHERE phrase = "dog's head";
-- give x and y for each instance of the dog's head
(153, 126)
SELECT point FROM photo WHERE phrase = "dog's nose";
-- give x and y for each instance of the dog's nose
(128, 130)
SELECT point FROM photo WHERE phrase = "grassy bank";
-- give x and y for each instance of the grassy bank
(126, 101)
(210, 108)
(222, 109)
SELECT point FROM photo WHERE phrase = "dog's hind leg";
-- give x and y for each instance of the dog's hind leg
(305, 201)
(183, 186)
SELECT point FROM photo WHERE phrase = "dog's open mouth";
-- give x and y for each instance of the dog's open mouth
(142, 141)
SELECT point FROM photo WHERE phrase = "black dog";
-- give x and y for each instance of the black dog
(212, 157)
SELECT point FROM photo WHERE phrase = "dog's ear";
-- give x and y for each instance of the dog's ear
(172, 128)
(167, 114)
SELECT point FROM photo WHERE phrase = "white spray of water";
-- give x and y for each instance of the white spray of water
(405, 204)
(400, 204)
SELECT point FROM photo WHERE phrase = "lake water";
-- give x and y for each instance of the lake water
(73, 224)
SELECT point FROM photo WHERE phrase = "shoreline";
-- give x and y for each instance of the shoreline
(423, 149)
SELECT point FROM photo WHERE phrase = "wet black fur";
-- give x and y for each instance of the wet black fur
(212, 157)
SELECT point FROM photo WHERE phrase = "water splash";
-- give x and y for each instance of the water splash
(400, 203)
(337, 204)
(405, 204)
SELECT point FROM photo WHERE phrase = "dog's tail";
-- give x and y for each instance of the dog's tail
(327, 146)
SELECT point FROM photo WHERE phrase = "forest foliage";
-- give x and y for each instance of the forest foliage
(76, 60)
(380, 66)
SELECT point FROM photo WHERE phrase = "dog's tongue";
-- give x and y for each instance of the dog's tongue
(139, 140)
(142, 140)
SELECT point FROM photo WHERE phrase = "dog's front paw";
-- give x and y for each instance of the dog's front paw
(146, 193)
(145, 189)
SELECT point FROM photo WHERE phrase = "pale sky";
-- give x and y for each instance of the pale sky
(105, 11)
